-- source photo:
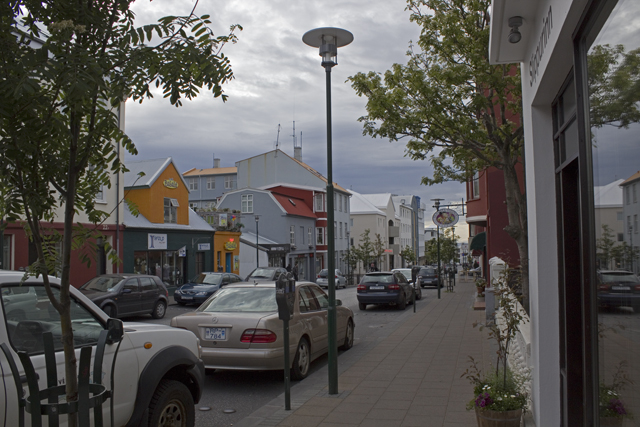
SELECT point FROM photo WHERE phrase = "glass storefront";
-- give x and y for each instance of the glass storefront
(613, 80)
(165, 264)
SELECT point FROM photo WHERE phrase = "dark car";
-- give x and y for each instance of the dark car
(619, 288)
(203, 286)
(121, 295)
(265, 274)
(428, 276)
(384, 287)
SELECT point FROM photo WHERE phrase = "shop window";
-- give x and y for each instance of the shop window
(247, 203)
(171, 210)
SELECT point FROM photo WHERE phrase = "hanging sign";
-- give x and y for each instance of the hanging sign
(182, 252)
(445, 218)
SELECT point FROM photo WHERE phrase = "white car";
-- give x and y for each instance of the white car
(323, 280)
(158, 370)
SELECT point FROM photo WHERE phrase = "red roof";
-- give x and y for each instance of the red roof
(294, 206)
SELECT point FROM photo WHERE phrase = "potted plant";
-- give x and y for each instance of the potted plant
(500, 396)
(481, 284)
(612, 409)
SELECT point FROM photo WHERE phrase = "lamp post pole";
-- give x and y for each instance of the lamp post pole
(257, 250)
(631, 245)
(348, 258)
(437, 206)
(329, 40)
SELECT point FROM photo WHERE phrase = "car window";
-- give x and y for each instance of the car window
(307, 296)
(131, 284)
(208, 279)
(400, 278)
(322, 274)
(426, 271)
(147, 284)
(322, 298)
(378, 278)
(25, 330)
(241, 300)
(619, 276)
(235, 279)
(226, 279)
(102, 283)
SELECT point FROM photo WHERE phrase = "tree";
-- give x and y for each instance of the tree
(378, 249)
(448, 247)
(452, 107)
(604, 246)
(67, 68)
(408, 255)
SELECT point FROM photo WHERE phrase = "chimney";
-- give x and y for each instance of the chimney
(297, 153)
(216, 163)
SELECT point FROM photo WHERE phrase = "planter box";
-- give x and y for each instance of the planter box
(489, 418)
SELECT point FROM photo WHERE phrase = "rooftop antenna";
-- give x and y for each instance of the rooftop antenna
(277, 140)
(294, 135)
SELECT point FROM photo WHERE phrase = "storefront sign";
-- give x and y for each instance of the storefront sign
(157, 241)
(204, 246)
(182, 252)
(536, 57)
(230, 246)
(222, 220)
(170, 183)
(445, 218)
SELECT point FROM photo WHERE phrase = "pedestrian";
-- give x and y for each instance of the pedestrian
(295, 272)
(289, 267)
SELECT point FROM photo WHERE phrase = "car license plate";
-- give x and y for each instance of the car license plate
(376, 288)
(187, 297)
(219, 334)
(620, 288)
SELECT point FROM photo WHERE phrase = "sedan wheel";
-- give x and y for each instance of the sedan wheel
(301, 361)
(159, 310)
(362, 306)
(348, 337)
(402, 304)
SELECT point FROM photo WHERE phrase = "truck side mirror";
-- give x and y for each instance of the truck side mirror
(115, 329)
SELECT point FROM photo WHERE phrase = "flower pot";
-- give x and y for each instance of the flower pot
(611, 421)
(489, 418)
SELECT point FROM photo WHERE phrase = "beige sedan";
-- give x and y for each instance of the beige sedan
(238, 328)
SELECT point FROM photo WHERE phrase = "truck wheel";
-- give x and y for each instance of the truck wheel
(301, 361)
(159, 310)
(172, 405)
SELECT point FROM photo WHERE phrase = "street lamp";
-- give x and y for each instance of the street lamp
(329, 40)
(257, 250)
(631, 244)
(348, 258)
(436, 205)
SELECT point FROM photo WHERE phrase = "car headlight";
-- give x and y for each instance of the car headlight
(201, 293)
(177, 291)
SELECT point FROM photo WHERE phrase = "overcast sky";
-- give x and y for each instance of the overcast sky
(279, 79)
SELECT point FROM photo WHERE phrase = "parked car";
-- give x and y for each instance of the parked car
(384, 287)
(619, 288)
(322, 279)
(203, 286)
(265, 274)
(406, 272)
(428, 276)
(121, 295)
(18, 300)
(150, 381)
(239, 328)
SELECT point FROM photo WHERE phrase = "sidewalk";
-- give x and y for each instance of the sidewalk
(410, 377)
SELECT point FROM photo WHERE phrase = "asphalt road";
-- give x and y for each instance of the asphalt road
(230, 396)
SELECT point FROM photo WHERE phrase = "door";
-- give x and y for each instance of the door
(129, 300)
(227, 262)
(148, 293)
(313, 313)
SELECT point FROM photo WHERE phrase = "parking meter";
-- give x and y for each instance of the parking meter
(285, 296)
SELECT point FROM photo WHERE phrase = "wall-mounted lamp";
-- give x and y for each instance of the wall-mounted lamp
(514, 35)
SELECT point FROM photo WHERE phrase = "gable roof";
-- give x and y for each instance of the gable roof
(151, 169)
(294, 206)
(361, 206)
(211, 171)
(379, 200)
(609, 195)
(632, 178)
(196, 223)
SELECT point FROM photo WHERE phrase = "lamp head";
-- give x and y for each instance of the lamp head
(328, 40)
(515, 22)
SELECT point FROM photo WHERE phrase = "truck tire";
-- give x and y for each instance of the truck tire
(172, 405)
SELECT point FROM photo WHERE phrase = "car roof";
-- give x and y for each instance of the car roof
(10, 276)
(267, 284)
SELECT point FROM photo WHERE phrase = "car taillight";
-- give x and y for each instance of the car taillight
(319, 276)
(362, 288)
(258, 336)
(603, 288)
(637, 287)
(393, 287)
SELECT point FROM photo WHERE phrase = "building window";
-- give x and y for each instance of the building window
(319, 202)
(635, 196)
(193, 184)
(247, 203)
(341, 230)
(230, 182)
(193, 205)
(6, 253)
(620, 216)
(171, 210)
(319, 236)
(302, 235)
(211, 183)
(335, 228)
(292, 234)
(635, 224)
(628, 195)
(476, 186)
(310, 236)
(620, 237)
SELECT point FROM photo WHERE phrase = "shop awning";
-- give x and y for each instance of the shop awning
(478, 242)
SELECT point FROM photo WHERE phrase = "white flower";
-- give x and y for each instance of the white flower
(499, 398)
(513, 396)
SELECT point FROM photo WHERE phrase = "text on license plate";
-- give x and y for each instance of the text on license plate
(621, 288)
(219, 334)
(187, 297)
(376, 288)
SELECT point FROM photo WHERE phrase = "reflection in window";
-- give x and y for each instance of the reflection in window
(614, 114)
